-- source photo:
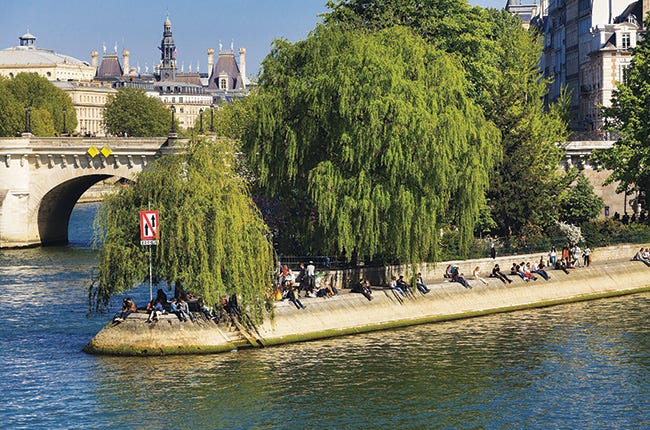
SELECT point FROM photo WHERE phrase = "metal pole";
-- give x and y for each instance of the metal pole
(150, 277)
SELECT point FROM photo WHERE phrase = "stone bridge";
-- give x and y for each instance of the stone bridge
(41, 180)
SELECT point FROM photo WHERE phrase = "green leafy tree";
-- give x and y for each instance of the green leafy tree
(629, 115)
(580, 203)
(525, 185)
(131, 112)
(376, 136)
(212, 237)
(45, 101)
(500, 61)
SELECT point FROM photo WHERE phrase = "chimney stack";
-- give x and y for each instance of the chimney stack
(242, 66)
(95, 58)
(125, 55)
(210, 60)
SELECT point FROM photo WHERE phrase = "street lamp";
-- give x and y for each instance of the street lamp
(65, 129)
(212, 118)
(201, 121)
(28, 126)
(173, 129)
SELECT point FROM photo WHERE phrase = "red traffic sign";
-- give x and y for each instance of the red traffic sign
(149, 225)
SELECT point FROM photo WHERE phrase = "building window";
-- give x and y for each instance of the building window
(223, 83)
(625, 40)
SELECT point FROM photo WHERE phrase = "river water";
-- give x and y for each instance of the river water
(583, 365)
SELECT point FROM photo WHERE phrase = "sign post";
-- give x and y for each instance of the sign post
(149, 234)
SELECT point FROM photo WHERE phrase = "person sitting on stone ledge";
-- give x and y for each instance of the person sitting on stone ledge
(174, 309)
(459, 277)
(496, 273)
(128, 307)
(185, 309)
(448, 272)
(535, 268)
(403, 285)
(155, 309)
(292, 296)
(419, 283)
(395, 286)
(362, 288)
(476, 274)
(562, 265)
(639, 256)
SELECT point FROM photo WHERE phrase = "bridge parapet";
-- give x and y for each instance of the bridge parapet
(41, 179)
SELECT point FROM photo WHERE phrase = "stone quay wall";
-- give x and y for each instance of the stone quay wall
(611, 274)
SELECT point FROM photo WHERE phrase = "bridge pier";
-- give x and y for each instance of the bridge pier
(41, 180)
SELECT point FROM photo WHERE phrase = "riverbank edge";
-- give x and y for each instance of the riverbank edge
(349, 314)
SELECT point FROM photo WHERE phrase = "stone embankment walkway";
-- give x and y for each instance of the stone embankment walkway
(611, 274)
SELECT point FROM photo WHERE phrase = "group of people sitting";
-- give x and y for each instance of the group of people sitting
(288, 286)
(179, 305)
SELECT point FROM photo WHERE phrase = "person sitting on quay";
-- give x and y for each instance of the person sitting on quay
(292, 296)
(174, 309)
(516, 270)
(639, 256)
(562, 265)
(496, 273)
(419, 283)
(403, 285)
(525, 268)
(323, 287)
(184, 307)
(155, 309)
(476, 275)
(535, 268)
(395, 287)
(449, 271)
(362, 287)
(458, 277)
(128, 307)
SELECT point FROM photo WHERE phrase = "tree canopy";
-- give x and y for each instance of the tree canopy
(500, 61)
(376, 135)
(45, 101)
(629, 116)
(131, 112)
(212, 237)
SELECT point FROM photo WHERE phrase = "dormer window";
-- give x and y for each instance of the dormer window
(625, 40)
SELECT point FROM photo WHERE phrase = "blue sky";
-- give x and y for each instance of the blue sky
(76, 27)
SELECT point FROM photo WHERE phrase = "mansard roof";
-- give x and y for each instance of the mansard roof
(226, 65)
(110, 67)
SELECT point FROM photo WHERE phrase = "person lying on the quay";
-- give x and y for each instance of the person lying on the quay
(419, 283)
(496, 273)
(395, 286)
(362, 287)
(128, 307)
(459, 277)
(640, 256)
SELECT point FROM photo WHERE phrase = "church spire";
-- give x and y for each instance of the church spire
(168, 54)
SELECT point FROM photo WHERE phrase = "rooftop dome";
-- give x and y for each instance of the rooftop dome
(28, 54)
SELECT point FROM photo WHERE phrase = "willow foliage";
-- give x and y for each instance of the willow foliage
(378, 130)
(212, 237)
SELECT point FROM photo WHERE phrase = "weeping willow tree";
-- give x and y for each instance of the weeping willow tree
(212, 237)
(377, 133)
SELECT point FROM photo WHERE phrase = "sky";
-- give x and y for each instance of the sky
(76, 27)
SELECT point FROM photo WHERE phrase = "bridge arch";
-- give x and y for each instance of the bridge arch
(41, 180)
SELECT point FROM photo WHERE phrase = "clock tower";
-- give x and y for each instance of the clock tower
(167, 54)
